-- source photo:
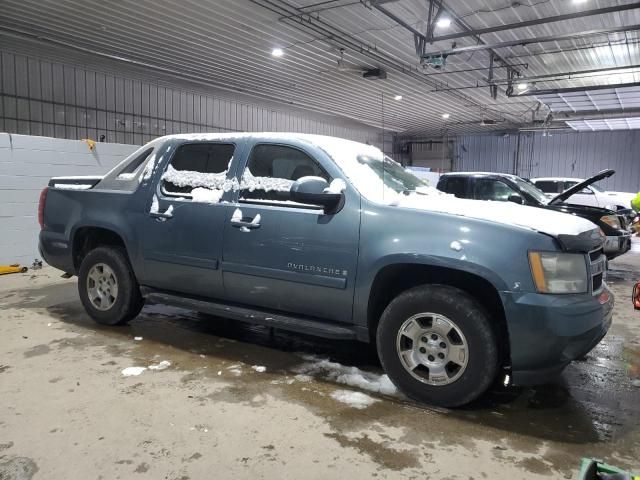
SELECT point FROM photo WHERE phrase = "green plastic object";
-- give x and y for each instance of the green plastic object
(591, 469)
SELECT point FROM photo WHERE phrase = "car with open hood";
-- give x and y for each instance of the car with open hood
(502, 187)
(585, 191)
(330, 237)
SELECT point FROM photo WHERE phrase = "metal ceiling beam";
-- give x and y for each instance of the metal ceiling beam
(334, 35)
(527, 41)
(538, 21)
(554, 91)
(595, 115)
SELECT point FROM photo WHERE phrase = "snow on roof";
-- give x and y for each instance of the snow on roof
(480, 173)
(557, 179)
(322, 141)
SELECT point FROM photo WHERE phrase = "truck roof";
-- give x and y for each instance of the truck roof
(508, 175)
(553, 179)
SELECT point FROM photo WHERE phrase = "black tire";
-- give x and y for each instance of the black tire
(472, 321)
(128, 301)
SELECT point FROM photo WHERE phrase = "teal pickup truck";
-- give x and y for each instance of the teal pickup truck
(332, 238)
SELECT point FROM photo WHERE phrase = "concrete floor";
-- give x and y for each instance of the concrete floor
(67, 412)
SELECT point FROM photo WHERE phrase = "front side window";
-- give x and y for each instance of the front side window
(198, 166)
(457, 186)
(489, 189)
(272, 169)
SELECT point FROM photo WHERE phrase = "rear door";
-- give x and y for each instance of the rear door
(182, 232)
(295, 258)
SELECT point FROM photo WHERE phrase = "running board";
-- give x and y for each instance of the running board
(259, 317)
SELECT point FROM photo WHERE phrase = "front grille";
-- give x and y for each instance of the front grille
(597, 266)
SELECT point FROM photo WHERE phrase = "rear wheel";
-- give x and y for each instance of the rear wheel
(437, 345)
(107, 287)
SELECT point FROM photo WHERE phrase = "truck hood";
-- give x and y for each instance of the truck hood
(579, 186)
(541, 220)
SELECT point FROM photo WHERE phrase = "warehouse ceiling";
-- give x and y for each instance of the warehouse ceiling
(322, 49)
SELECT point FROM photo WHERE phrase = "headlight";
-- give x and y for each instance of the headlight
(612, 220)
(559, 272)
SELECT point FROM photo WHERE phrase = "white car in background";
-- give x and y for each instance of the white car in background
(591, 195)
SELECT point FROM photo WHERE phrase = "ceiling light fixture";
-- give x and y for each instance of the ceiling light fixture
(523, 86)
(579, 1)
(444, 22)
(277, 52)
(398, 97)
(446, 116)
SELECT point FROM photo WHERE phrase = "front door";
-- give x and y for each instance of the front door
(293, 258)
(182, 232)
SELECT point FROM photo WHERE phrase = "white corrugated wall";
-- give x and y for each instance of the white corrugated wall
(64, 100)
(567, 154)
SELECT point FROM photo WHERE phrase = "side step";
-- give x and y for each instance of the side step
(259, 317)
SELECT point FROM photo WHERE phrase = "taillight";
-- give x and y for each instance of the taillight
(41, 202)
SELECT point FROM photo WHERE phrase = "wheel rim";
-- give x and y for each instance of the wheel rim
(432, 349)
(102, 286)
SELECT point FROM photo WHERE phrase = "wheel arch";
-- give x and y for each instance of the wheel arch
(395, 278)
(88, 237)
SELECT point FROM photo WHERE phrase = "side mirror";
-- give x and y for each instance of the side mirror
(315, 191)
(636, 296)
(515, 198)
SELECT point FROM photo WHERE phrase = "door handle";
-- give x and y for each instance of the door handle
(243, 224)
(159, 215)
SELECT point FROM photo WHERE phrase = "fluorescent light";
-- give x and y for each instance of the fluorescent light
(446, 116)
(629, 123)
(522, 86)
(277, 52)
(444, 22)
(579, 1)
(398, 97)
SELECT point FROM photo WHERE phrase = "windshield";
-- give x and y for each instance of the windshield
(392, 174)
(532, 190)
(596, 188)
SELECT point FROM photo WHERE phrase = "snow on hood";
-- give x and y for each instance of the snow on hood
(508, 213)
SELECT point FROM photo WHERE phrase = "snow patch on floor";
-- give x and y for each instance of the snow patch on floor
(357, 400)
(133, 371)
(163, 365)
(352, 376)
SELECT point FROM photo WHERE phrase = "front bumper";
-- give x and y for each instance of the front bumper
(616, 245)
(547, 332)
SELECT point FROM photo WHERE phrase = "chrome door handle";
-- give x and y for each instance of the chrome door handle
(160, 215)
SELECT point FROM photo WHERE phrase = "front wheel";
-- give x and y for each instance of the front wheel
(107, 287)
(437, 345)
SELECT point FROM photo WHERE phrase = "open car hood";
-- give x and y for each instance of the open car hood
(579, 186)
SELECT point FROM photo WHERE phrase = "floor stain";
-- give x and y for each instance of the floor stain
(17, 468)
(384, 456)
(142, 468)
(37, 350)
